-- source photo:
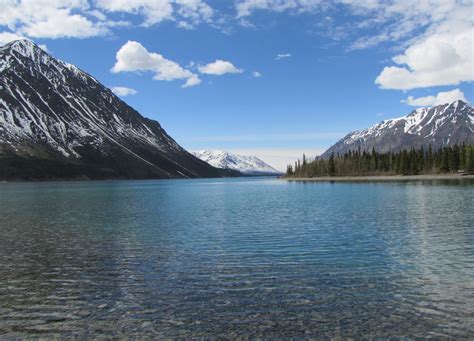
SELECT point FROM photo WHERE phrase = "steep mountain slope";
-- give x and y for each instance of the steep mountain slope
(248, 165)
(442, 125)
(57, 121)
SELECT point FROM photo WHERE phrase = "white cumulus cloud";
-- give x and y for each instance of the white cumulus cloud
(55, 19)
(256, 74)
(442, 58)
(442, 54)
(63, 25)
(50, 19)
(123, 91)
(218, 68)
(440, 98)
(133, 57)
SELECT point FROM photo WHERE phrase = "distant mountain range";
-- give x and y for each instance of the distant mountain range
(57, 121)
(442, 125)
(248, 165)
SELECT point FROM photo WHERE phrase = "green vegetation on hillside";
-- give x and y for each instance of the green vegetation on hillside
(406, 162)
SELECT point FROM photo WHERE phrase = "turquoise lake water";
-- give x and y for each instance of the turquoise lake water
(237, 258)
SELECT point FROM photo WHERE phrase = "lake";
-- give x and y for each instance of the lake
(256, 257)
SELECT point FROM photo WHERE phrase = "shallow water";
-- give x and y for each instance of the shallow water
(238, 257)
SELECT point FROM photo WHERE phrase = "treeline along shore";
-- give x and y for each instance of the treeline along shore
(446, 160)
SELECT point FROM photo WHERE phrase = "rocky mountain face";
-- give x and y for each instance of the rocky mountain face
(248, 165)
(442, 125)
(57, 121)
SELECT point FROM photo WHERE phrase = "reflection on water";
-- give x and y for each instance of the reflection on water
(255, 258)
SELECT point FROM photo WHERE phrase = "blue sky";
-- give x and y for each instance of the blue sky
(270, 78)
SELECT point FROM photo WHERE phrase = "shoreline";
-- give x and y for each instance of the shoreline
(383, 178)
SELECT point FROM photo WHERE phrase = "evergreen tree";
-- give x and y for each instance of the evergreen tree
(429, 159)
(332, 166)
(454, 159)
(444, 160)
(359, 163)
(462, 156)
(470, 159)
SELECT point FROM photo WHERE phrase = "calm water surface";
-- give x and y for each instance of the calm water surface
(237, 258)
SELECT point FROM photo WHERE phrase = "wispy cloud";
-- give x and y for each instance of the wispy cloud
(187, 14)
(123, 91)
(282, 56)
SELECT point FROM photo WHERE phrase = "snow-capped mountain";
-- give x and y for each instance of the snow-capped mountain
(442, 125)
(248, 165)
(57, 121)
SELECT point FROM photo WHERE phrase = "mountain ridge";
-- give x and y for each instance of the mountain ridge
(52, 112)
(438, 126)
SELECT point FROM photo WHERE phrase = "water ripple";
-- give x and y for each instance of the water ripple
(237, 258)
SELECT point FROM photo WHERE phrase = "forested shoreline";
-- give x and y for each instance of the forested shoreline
(450, 159)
